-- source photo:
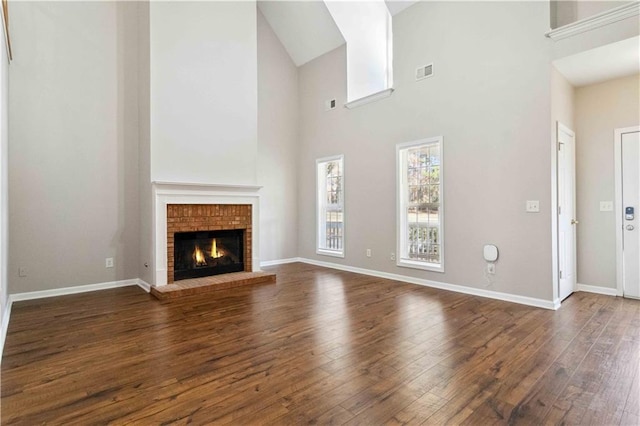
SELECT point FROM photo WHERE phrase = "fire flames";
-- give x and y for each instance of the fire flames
(198, 256)
(215, 253)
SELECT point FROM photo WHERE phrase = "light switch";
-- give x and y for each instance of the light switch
(606, 206)
(533, 206)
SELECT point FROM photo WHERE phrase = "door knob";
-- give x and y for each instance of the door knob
(574, 222)
(630, 228)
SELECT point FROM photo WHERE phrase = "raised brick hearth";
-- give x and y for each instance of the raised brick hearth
(208, 217)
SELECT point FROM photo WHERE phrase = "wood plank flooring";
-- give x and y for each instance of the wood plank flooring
(320, 347)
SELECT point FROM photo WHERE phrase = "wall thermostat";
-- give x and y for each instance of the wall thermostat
(490, 253)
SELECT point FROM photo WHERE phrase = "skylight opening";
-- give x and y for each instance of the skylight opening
(367, 29)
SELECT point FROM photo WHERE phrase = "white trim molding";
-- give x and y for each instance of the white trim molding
(507, 297)
(607, 291)
(31, 295)
(276, 262)
(368, 99)
(143, 285)
(165, 193)
(596, 21)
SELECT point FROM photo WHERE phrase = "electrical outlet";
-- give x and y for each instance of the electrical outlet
(108, 262)
(393, 256)
(22, 272)
(491, 268)
(368, 252)
(533, 206)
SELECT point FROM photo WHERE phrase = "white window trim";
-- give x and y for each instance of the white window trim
(321, 251)
(368, 99)
(401, 219)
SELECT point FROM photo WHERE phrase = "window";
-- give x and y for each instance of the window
(420, 218)
(330, 207)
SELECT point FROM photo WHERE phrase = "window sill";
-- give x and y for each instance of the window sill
(368, 99)
(405, 263)
(331, 253)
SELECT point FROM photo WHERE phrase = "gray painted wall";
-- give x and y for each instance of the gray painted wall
(562, 101)
(277, 146)
(600, 109)
(144, 146)
(4, 178)
(81, 180)
(73, 181)
(490, 100)
(80, 142)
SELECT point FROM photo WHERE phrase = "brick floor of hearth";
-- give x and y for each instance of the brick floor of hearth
(212, 283)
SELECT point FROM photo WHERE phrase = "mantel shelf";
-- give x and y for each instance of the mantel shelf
(213, 186)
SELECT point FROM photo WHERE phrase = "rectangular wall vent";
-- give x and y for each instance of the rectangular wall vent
(330, 104)
(424, 72)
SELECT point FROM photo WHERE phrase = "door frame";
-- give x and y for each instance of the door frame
(618, 207)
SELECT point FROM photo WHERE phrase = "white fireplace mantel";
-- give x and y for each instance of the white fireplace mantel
(165, 193)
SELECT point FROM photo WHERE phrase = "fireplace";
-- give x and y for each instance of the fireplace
(205, 253)
(208, 239)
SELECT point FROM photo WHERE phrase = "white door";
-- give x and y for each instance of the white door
(566, 211)
(630, 211)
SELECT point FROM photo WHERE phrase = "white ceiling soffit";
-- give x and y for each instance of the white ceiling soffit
(397, 6)
(306, 29)
(603, 63)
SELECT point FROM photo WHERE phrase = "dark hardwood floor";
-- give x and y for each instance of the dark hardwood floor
(321, 346)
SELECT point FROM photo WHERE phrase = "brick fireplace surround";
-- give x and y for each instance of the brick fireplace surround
(208, 217)
(204, 197)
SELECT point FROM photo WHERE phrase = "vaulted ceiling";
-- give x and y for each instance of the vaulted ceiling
(306, 29)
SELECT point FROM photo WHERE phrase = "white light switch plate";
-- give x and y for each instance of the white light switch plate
(533, 206)
(606, 206)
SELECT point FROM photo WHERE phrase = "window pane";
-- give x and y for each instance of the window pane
(434, 193)
(330, 201)
(422, 223)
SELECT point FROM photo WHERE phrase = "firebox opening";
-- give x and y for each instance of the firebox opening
(204, 253)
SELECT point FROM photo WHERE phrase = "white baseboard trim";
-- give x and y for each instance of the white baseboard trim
(507, 297)
(607, 291)
(73, 290)
(279, 261)
(144, 285)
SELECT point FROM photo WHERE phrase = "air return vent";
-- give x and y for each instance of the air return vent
(424, 72)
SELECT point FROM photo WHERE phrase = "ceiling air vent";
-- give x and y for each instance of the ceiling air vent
(424, 72)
